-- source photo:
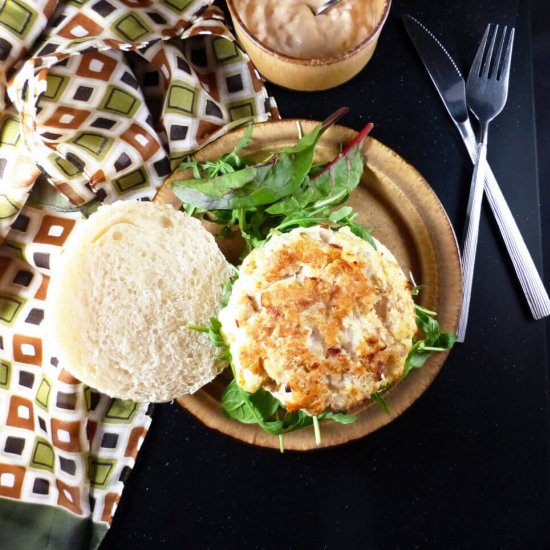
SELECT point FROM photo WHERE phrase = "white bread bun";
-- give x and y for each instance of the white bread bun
(130, 281)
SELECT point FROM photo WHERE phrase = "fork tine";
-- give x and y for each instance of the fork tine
(489, 56)
(505, 72)
(476, 65)
(498, 58)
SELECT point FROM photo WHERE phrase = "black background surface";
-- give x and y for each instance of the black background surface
(467, 466)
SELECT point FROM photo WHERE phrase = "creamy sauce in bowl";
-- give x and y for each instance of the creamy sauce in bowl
(289, 26)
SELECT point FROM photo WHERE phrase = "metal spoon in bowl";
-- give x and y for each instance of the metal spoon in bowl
(325, 6)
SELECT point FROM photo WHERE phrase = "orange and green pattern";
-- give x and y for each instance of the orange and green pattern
(115, 94)
(61, 444)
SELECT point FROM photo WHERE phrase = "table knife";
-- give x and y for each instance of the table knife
(450, 85)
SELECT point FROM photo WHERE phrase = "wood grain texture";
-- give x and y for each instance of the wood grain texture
(405, 215)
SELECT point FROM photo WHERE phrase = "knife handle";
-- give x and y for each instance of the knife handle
(529, 278)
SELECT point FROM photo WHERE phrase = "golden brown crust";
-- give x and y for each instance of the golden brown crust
(313, 320)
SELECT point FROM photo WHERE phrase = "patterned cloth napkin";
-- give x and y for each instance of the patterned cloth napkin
(115, 94)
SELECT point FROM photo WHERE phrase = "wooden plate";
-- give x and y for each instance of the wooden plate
(405, 214)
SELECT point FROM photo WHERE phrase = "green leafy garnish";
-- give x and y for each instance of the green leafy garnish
(434, 339)
(216, 337)
(380, 401)
(226, 292)
(341, 418)
(265, 410)
(226, 164)
(249, 186)
(285, 191)
(415, 290)
(219, 186)
(257, 408)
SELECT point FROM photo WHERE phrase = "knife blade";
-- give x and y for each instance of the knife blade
(450, 85)
(442, 69)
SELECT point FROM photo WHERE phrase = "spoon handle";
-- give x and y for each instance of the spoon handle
(325, 6)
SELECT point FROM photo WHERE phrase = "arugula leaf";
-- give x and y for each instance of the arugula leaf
(380, 401)
(216, 337)
(215, 334)
(341, 418)
(434, 340)
(344, 213)
(194, 165)
(226, 164)
(361, 232)
(444, 340)
(336, 220)
(416, 358)
(426, 323)
(302, 219)
(244, 142)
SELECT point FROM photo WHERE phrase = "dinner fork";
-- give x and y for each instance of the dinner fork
(486, 94)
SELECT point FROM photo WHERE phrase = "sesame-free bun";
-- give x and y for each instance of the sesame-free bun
(131, 279)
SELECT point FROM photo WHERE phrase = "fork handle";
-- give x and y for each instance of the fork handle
(471, 236)
(526, 270)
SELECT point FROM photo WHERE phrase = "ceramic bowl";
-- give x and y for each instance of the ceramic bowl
(311, 74)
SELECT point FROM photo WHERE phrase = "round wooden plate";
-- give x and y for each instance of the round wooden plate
(405, 214)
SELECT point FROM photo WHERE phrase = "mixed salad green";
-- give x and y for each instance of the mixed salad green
(284, 191)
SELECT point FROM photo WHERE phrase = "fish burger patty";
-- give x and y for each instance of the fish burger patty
(320, 319)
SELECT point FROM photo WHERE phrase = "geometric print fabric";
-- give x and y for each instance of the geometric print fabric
(61, 443)
(114, 95)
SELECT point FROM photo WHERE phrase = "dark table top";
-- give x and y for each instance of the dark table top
(467, 466)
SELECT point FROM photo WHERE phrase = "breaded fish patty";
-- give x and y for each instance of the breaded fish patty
(320, 319)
